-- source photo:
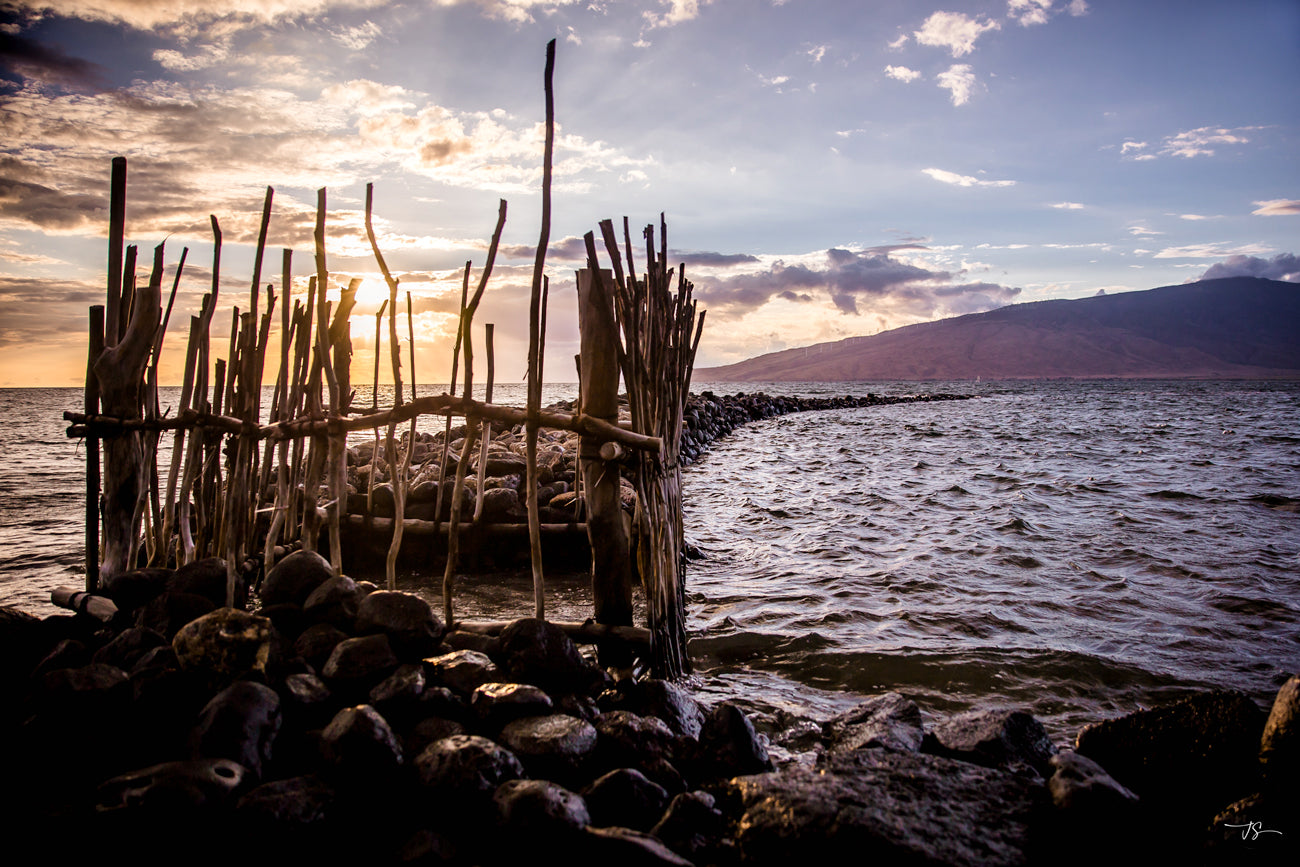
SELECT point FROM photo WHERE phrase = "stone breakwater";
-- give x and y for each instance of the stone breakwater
(706, 418)
(337, 722)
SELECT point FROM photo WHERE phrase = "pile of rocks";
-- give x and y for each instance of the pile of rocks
(340, 721)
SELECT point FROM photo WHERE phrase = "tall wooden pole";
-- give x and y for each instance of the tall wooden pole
(611, 567)
(92, 450)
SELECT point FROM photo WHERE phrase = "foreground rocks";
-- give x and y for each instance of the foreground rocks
(301, 732)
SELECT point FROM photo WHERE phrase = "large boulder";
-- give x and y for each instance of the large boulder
(463, 771)
(889, 720)
(555, 746)
(541, 653)
(294, 578)
(886, 807)
(1012, 740)
(1279, 748)
(207, 578)
(359, 743)
(240, 723)
(225, 645)
(409, 622)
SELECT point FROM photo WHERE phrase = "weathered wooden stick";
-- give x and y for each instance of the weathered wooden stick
(451, 389)
(487, 430)
(116, 241)
(92, 450)
(418, 526)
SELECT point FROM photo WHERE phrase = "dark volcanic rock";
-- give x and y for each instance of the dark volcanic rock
(729, 746)
(169, 613)
(624, 797)
(1279, 749)
(240, 723)
(1188, 758)
(553, 746)
(333, 601)
(461, 670)
(540, 807)
(1013, 740)
(692, 825)
(360, 743)
(628, 848)
(889, 720)
(173, 788)
(499, 703)
(465, 770)
(207, 578)
(225, 645)
(1082, 785)
(294, 578)
(408, 621)
(128, 646)
(886, 807)
(539, 652)
(360, 662)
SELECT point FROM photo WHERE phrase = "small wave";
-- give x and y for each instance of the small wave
(1173, 495)
(1275, 502)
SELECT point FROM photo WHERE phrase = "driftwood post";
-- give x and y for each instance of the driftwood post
(92, 451)
(611, 568)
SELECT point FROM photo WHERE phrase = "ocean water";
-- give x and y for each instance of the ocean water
(1077, 549)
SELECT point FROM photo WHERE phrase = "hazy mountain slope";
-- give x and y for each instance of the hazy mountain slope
(1235, 327)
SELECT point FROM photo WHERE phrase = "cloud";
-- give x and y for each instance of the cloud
(47, 63)
(1196, 217)
(953, 31)
(1199, 142)
(1211, 251)
(898, 43)
(1068, 206)
(1283, 266)
(849, 280)
(358, 37)
(679, 11)
(1277, 208)
(817, 52)
(1028, 12)
(1142, 230)
(902, 73)
(955, 179)
(959, 80)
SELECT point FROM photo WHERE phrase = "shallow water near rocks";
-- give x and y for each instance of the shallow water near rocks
(1078, 549)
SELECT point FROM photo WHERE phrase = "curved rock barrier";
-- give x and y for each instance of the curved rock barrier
(341, 722)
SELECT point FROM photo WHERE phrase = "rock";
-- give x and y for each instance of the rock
(359, 743)
(463, 771)
(225, 645)
(499, 703)
(333, 601)
(1082, 785)
(625, 797)
(307, 700)
(207, 578)
(130, 590)
(554, 746)
(691, 826)
(461, 670)
(431, 729)
(401, 690)
(167, 614)
(539, 652)
(240, 723)
(408, 621)
(128, 646)
(1279, 748)
(539, 808)
(885, 807)
(68, 653)
(672, 704)
(729, 746)
(295, 802)
(460, 639)
(1186, 759)
(889, 720)
(499, 503)
(628, 848)
(1013, 740)
(294, 578)
(360, 662)
(316, 643)
(628, 740)
(173, 787)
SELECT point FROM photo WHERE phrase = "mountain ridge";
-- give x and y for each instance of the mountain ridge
(1228, 328)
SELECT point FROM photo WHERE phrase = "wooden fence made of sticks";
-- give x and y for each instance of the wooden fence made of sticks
(243, 489)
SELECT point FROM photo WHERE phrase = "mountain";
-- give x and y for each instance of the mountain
(1233, 328)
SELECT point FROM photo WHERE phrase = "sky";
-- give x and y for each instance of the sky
(826, 169)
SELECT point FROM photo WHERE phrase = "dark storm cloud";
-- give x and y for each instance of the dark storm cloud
(852, 278)
(32, 59)
(1283, 266)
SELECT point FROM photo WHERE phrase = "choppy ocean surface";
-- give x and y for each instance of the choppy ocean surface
(1078, 549)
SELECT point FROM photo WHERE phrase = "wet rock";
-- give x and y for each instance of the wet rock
(670, 703)
(294, 803)
(461, 670)
(294, 578)
(358, 663)
(1013, 740)
(225, 645)
(499, 703)
(885, 807)
(692, 825)
(463, 771)
(1082, 785)
(539, 808)
(68, 653)
(358, 742)
(729, 746)
(539, 652)
(629, 740)
(333, 601)
(499, 504)
(1186, 759)
(240, 723)
(625, 797)
(428, 730)
(554, 746)
(408, 621)
(307, 700)
(889, 720)
(1279, 748)
(460, 639)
